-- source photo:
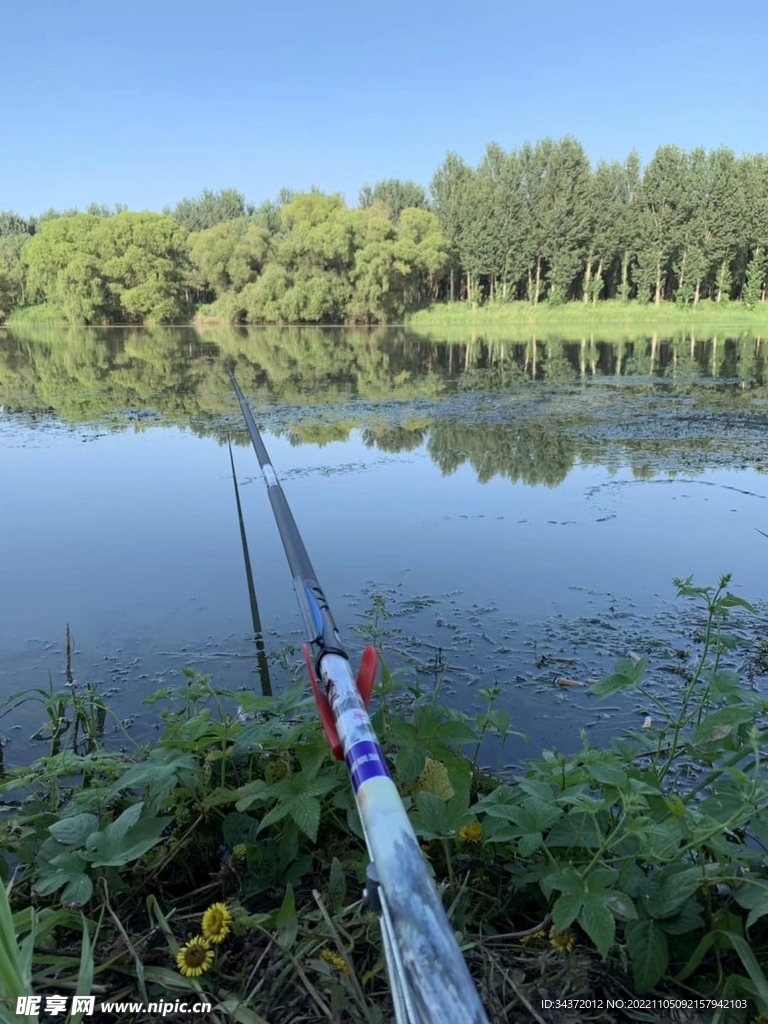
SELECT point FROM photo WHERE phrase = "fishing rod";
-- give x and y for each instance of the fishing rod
(258, 633)
(428, 975)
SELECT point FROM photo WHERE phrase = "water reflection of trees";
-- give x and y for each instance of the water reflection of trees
(326, 382)
(537, 452)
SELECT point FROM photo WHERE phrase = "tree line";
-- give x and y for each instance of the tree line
(535, 224)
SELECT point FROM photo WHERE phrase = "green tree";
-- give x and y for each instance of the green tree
(66, 268)
(395, 195)
(208, 209)
(448, 188)
(660, 200)
(229, 255)
(145, 262)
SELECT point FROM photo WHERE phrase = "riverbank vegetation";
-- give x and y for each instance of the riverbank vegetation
(223, 860)
(530, 227)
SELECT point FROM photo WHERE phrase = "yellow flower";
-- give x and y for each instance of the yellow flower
(527, 939)
(335, 961)
(471, 833)
(194, 958)
(561, 941)
(216, 922)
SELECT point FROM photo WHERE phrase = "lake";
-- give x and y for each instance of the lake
(519, 506)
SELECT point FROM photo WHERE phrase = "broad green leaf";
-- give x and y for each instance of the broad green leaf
(117, 829)
(409, 763)
(598, 922)
(74, 830)
(252, 792)
(529, 843)
(566, 909)
(731, 601)
(566, 880)
(753, 896)
(673, 891)
(123, 847)
(239, 828)
(648, 952)
(575, 829)
(534, 815)
(626, 674)
(305, 811)
(621, 906)
(541, 790)
(78, 891)
(601, 879)
(609, 775)
(688, 919)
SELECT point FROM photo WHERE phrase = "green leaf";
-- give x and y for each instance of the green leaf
(74, 830)
(609, 775)
(621, 906)
(337, 885)
(305, 811)
(575, 829)
(648, 952)
(674, 890)
(286, 921)
(598, 922)
(625, 675)
(541, 790)
(78, 891)
(252, 792)
(731, 601)
(689, 919)
(122, 846)
(409, 763)
(535, 815)
(566, 909)
(433, 814)
(753, 897)
(529, 843)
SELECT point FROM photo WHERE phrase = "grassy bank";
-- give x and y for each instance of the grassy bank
(707, 316)
(42, 313)
(224, 862)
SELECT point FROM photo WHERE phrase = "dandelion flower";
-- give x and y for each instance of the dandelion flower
(527, 939)
(335, 961)
(471, 833)
(216, 922)
(195, 957)
(561, 941)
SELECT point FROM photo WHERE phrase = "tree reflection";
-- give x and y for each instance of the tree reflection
(402, 391)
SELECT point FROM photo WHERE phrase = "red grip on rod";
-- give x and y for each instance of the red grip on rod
(366, 678)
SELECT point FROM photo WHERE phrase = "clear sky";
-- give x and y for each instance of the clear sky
(146, 102)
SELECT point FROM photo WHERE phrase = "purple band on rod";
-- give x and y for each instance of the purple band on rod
(365, 760)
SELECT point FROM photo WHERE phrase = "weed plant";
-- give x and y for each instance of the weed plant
(635, 871)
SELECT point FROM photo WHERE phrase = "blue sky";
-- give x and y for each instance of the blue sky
(147, 102)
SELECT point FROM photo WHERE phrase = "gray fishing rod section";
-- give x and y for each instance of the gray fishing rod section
(319, 623)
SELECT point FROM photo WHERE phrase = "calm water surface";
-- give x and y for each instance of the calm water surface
(521, 506)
